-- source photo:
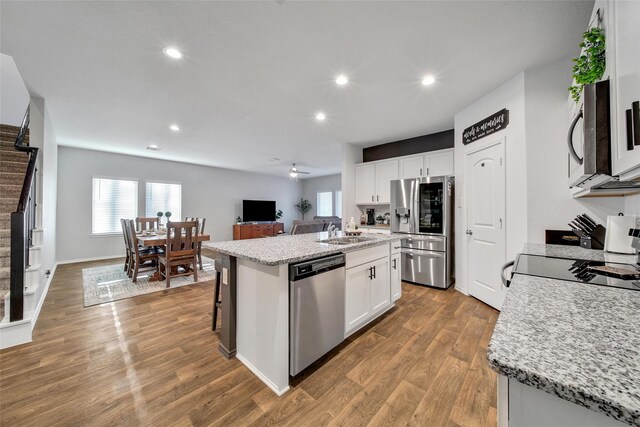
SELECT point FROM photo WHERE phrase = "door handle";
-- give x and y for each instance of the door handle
(469, 232)
(572, 150)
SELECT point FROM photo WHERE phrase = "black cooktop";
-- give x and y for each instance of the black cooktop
(575, 270)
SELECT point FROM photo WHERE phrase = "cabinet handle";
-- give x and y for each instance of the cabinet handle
(427, 171)
(378, 198)
(374, 271)
(372, 198)
(370, 273)
(629, 130)
(421, 171)
(635, 107)
(394, 263)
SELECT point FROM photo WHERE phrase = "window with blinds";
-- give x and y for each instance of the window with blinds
(324, 207)
(163, 197)
(112, 199)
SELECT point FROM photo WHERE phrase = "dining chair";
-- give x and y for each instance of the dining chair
(181, 251)
(143, 223)
(200, 222)
(140, 257)
(127, 246)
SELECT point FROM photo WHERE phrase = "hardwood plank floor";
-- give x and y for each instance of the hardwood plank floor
(153, 360)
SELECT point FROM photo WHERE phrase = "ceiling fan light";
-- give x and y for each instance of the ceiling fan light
(293, 174)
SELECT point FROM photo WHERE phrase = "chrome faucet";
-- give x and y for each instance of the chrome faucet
(333, 231)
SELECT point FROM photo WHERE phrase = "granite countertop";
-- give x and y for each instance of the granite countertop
(287, 249)
(576, 341)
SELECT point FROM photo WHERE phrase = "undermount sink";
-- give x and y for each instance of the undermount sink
(346, 240)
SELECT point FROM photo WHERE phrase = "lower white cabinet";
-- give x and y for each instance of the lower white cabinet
(368, 287)
(396, 289)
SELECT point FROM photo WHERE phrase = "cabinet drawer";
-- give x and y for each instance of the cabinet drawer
(363, 256)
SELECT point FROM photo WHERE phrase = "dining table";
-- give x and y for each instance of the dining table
(160, 239)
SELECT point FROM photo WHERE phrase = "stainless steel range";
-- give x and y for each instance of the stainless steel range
(422, 208)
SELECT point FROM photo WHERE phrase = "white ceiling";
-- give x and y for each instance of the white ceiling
(255, 73)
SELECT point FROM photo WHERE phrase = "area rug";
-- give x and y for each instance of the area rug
(110, 282)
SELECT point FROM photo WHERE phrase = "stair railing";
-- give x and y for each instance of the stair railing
(22, 225)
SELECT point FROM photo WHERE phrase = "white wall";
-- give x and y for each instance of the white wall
(632, 205)
(549, 204)
(312, 186)
(351, 155)
(42, 135)
(511, 96)
(14, 96)
(213, 193)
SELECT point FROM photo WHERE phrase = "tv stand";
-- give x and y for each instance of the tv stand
(254, 230)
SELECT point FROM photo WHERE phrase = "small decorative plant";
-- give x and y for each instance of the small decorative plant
(238, 219)
(278, 214)
(303, 206)
(168, 215)
(590, 65)
(159, 215)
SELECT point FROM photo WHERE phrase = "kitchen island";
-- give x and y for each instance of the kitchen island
(256, 300)
(560, 347)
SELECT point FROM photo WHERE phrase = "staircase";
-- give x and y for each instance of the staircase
(13, 166)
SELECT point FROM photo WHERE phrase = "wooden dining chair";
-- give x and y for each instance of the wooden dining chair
(127, 246)
(201, 222)
(181, 251)
(140, 257)
(143, 224)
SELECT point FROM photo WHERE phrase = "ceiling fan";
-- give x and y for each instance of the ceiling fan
(294, 172)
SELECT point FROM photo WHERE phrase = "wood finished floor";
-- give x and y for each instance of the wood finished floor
(153, 360)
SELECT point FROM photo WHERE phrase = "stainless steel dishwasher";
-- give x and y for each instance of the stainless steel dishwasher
(316, 298)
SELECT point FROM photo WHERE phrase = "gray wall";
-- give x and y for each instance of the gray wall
(549, 203)
(213, 193)
(312, 186)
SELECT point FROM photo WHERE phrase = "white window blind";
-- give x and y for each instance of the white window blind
(324, 206)
(112, 199)
(163, 197)
(338, 210)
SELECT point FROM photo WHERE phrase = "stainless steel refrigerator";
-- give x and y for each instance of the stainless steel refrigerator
(422, 208)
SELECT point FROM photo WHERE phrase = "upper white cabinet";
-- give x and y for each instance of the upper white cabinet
(373, 181)
(623, 54)
(365, 183)
(432, 164)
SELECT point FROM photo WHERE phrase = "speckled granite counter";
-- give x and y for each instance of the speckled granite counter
(575, 252)
(576, 341)
(286, 249)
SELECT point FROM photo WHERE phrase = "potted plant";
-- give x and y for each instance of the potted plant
(590, 65)
(303, 206)
(167, 214)
(159, 214)
(238, 220)
(278, 214)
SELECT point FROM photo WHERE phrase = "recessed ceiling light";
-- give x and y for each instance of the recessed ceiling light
(172, 52)
(152, 147)
(320, 117)
(342, 80)
(174, 128)
(428, 80)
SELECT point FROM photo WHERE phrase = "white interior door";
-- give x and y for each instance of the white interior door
(485, 193)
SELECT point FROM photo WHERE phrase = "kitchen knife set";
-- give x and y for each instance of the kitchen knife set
(592, 235)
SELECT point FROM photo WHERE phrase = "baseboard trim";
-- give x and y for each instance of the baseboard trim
(260, 375)
(36, 312)
(100, 258)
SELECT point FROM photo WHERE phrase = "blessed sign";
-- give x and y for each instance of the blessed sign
(491, 124)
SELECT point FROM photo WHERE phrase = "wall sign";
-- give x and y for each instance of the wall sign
(491, 124)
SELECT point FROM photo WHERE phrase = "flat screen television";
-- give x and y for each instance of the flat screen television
(258, 210)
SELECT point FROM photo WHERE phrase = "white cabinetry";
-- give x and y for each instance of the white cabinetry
(624, 60)
(365, 184)
(373, 182)
(368, 291)
(433, 164)
(394, 268)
